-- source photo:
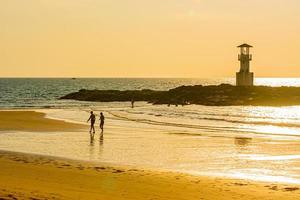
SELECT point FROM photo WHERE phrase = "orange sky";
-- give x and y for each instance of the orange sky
(147, 38)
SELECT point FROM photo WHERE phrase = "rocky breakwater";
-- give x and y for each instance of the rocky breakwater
(212, 95)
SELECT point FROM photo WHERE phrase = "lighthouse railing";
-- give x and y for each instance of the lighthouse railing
(245, 56)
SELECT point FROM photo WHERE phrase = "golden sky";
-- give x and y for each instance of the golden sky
(147, 38)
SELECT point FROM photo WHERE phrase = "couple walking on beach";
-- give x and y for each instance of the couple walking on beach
(92, 119)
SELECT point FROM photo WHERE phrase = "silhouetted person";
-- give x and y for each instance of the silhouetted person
(92, 119)
(102, 118)
(132, 103)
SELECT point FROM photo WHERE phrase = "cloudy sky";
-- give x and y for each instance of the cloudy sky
(147, 38)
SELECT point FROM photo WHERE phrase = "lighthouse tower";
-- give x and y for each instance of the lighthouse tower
(244, 77)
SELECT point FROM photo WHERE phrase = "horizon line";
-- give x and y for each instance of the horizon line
(141, 77)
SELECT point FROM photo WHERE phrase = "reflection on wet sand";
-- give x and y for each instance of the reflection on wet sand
(93, 149)
(92, 139)
(101, 139)
(242, 141)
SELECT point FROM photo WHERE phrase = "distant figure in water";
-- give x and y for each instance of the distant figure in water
(102, 118)
(132, 103)
(92, 119)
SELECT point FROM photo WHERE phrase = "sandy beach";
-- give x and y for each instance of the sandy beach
(33, 121)
(30, 176)
(25, 176)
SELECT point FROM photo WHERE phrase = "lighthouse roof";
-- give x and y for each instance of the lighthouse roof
(245, 45)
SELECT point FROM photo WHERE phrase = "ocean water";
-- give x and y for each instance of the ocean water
(44, 92)
(249, 142)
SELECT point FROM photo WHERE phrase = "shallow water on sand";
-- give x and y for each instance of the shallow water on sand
(203, 148)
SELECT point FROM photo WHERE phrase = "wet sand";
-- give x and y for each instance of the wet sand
(25, 176)
(33, 121)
